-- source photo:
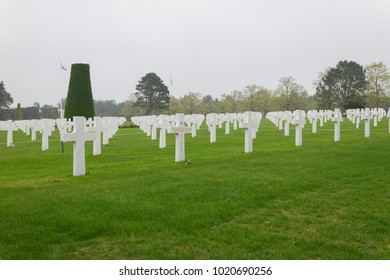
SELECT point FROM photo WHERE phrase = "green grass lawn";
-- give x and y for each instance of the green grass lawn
(324, 200)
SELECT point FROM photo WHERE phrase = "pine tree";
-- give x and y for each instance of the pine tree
(152, 95)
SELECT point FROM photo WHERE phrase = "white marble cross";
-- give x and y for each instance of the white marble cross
(199, 120)
(357, 115)
(381, 114)
(227, 124)
(113, 127)
(321, 115)
(98, 128)
(212, 122)
(287, 120)
(163, 124)
(250, 125)
(221, 119)
(337, 119)
(367, 118)
(78, 137)
(299, 122)
(153, 123)
(375, 114)
(148, 125)
(23, 125)
(28, 127)
(10, 127)
(34, 128)
(46, 128)
(313, 117)
(192, 122)
(180, 130)
(280, 120)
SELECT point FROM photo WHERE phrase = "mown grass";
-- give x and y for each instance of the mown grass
(324, 200)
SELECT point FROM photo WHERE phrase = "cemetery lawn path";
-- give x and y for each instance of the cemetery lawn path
(324, 200)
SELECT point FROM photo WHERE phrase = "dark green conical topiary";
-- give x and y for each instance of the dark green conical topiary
(79, 101)
(18, 114)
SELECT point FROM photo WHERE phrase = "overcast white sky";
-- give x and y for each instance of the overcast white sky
(207, 46)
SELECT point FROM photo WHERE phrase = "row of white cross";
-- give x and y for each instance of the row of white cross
(181, 124)
(81, 130)
(77, 131)
(298, 118)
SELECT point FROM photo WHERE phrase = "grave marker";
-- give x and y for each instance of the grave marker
(153, 123)
(46, 128)
(358, 116)
(337, 119)
(97, 128)
(250, 125)
(180, 130)
(367, 118)
(163, 124)
(10, 127)
(287, 120)
(299, 122)
(375, 113)
(212, 122)
(78, 137)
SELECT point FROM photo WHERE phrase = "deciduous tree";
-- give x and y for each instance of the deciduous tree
(292, 96)
(191, 102)
(378, 89)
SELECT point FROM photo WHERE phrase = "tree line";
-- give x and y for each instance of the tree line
(348, 85)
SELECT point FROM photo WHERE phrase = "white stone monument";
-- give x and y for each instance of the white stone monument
(321, 115)
(337, 119)
(287, 120)
(313, 117)
(153, 122)
(163, 124)
(299, 122)
(357, 114)
(367, 118)
(250, 125)
(227, 124)
(280, 120)
(34, 129)
(374, 114)
(46, 128)
(10, 127)
(191, 120)
(212, 122)
(79, 136)
(180, 130)
(97, 127)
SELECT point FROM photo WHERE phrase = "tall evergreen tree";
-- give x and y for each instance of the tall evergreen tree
(342, 87)
(152, 94)
(79, 101)
(5, 98)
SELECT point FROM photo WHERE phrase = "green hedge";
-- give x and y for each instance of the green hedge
(79, 101)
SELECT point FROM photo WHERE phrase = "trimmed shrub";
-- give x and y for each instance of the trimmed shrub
(18, 114)
(79, 101)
